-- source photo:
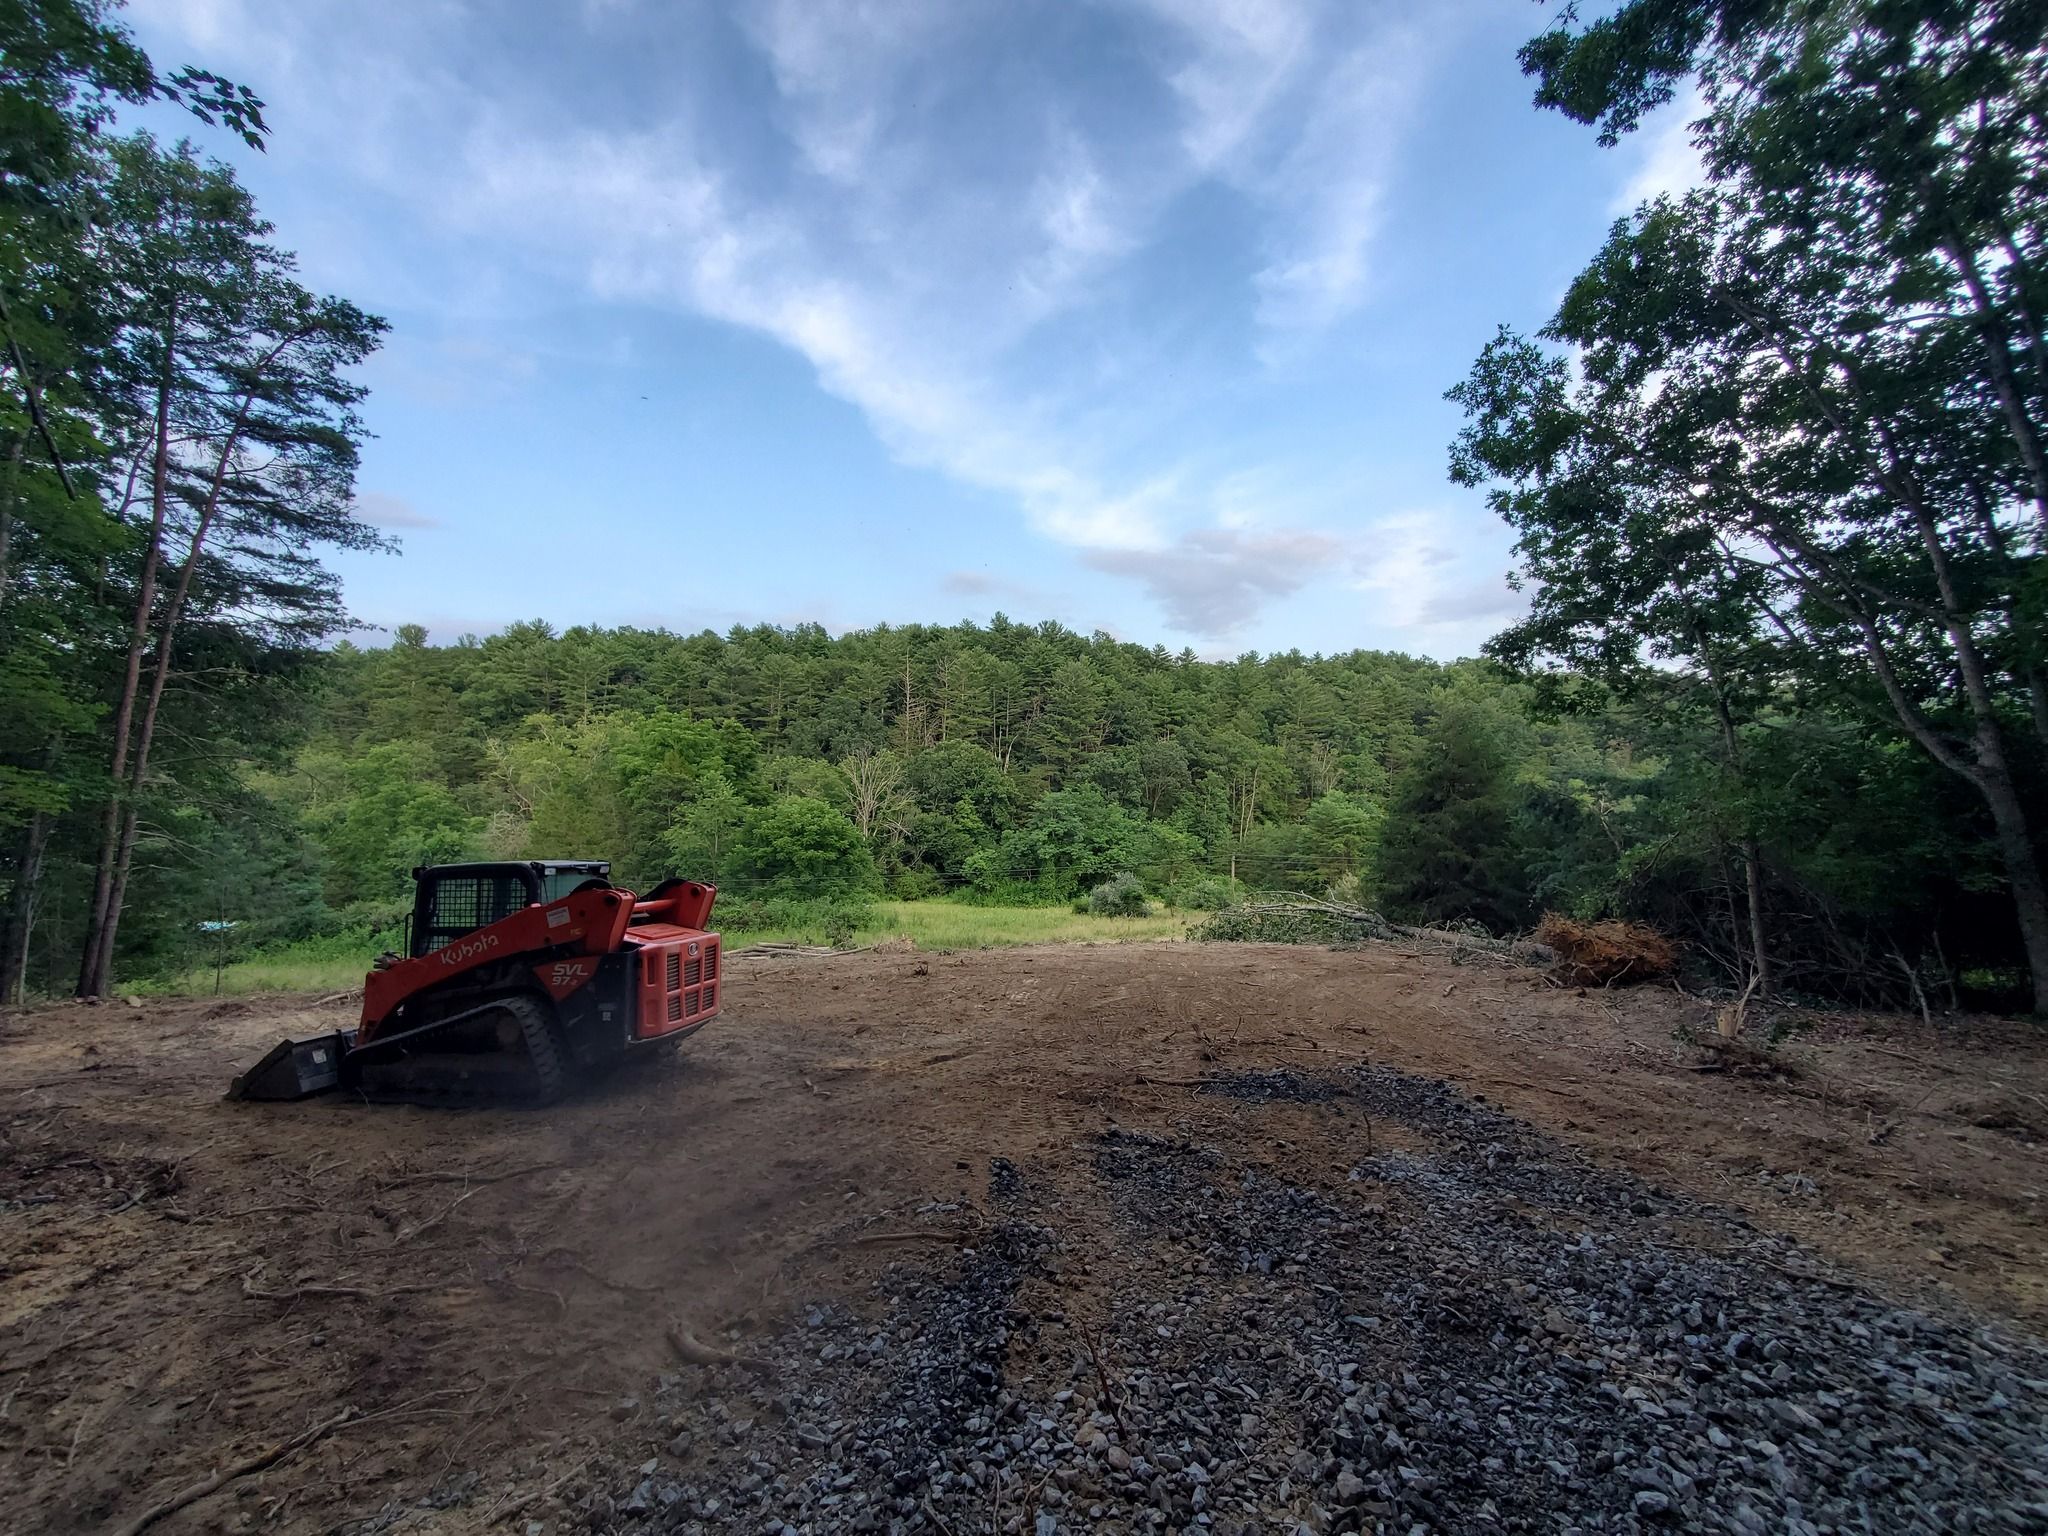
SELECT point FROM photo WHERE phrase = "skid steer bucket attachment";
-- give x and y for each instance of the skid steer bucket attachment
(294, 1069)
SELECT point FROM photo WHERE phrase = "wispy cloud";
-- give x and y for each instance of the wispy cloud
(1666, 160)
(907, 212)
(1428, 573)
(1239, 57)
(1302, 107)
(1328, 188)
(987, 584)
(1212, 581)
(382, 510)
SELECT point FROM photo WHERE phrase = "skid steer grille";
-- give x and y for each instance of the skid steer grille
(682, 989)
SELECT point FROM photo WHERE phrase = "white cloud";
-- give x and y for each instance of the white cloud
(1301, 107)
(1240, 56)
(906, 255)
(1431, 573)
(835, 67)
(1077, 213)
(1666, 160)
(1212, 581)
(1403, 557)
(1329, 187)
(986, 584)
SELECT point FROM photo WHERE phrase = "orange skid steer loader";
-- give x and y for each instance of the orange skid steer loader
(517, 979)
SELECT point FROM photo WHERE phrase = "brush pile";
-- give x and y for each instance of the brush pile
(1292, 917)
(1605, 954)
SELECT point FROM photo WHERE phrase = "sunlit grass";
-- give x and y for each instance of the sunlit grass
(279, 971)
(315, 966)
(950, 925)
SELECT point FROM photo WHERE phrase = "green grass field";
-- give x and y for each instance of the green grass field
(323, 965)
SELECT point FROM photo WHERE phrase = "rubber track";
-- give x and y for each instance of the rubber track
(481, 1081)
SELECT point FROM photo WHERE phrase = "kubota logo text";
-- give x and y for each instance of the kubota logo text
(468, 949)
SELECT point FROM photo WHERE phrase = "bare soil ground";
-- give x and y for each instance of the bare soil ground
(492, 1296)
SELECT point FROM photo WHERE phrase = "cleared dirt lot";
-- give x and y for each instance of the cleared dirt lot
(490, 1295)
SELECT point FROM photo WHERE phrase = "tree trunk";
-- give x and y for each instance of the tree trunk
(7, 521)
(1998, 362)
(103, 953)
(2030, 675)
(1752, 854)
(92, 971)
(1759, 947)
(21, 907)
(35, 402)
(100, 948)
(1993, 776)
(2023, 871)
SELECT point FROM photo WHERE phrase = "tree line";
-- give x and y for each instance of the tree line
(1012, 762)
(178, 442)
(1775, 468)
(1785, 434)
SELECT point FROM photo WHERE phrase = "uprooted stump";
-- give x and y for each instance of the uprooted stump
(1608, 953)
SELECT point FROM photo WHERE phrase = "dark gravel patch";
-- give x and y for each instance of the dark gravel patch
(1271, 1088)
(1482, 1332)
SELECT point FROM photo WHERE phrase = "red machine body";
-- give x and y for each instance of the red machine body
(518, 978)
(562, 941)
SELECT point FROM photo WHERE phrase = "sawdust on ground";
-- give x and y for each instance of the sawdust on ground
(186, 1282)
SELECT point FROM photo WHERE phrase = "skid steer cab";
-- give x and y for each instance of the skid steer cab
(516, 980)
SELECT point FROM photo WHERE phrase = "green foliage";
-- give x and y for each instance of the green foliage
(804, 848)
(1122, 896)
(700, 840)
(387, 818)
(1496, 799)
(1199, 893)
(791, 919)
(1071, 840)
(1783, 435)
(1450, 849)
(1302, 925)
(1344, 832)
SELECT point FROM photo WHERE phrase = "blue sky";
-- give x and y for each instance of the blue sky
(1136, 314)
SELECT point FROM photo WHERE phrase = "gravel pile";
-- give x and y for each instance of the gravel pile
(1464, 1327)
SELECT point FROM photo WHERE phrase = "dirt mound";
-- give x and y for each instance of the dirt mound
(1600, 954)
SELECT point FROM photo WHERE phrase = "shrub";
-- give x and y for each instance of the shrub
(1119, 896)
(1296, 925)
(1006, 893)
(1201, 893)
(808, 921)
(804, 849)
(1073, 840)
(912, 883)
